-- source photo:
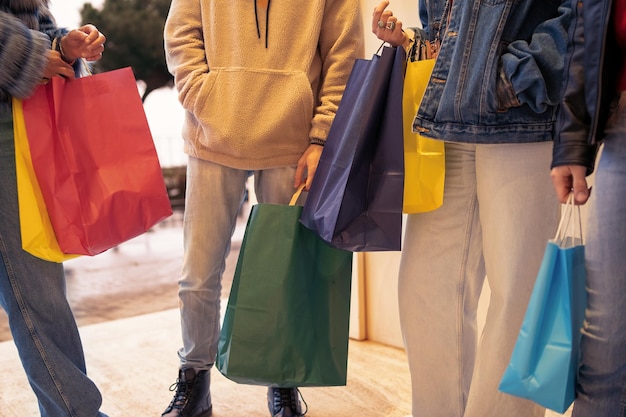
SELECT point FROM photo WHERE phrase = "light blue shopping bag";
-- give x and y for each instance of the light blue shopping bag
(544, 364)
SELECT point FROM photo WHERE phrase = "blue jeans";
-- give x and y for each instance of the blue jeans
(213, 198)
(602, 377)
(32, 292)
(499, 210)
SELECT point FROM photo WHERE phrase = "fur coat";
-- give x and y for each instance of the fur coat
(26, 32)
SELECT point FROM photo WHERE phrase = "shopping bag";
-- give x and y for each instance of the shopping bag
(95, 160)
(286, 322)
(36, 231)
(355, 200)
(544, 363)
(424, 158)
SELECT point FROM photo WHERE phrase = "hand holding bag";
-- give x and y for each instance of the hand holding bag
(424, 158)
(544, 364)
(287, 319)
(95, 160)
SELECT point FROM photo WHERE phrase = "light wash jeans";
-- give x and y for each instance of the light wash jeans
(32, 292)
(499, 211)
(602, 378)
(213, 199)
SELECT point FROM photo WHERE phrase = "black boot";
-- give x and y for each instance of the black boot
(192, 397)
(284, 402)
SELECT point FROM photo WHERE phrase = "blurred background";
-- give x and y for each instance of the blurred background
(134, 31)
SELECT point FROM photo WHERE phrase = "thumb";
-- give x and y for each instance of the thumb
(581, 191)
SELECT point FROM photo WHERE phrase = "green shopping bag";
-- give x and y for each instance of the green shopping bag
(286, 322)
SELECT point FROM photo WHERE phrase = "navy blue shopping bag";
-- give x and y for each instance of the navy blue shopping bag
(355, 201)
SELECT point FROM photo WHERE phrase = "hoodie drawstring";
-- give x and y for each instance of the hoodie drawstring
(267, 19)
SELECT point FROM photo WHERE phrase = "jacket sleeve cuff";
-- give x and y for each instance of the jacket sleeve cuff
(574, 154)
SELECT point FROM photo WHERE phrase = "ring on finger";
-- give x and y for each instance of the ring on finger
(381, 24)
(391, 25)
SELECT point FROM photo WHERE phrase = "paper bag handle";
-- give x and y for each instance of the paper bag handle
(296, 195)
(570, 218)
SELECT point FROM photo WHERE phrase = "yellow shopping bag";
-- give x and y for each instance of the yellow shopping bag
(424, 158)
(38, 237)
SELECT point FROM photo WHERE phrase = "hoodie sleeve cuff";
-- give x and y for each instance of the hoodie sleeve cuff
(317, 141)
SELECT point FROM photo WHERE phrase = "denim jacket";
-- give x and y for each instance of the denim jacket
(592, 65)
(499, 74)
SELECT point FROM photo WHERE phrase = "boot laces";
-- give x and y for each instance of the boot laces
(183, 391)
(286, 398)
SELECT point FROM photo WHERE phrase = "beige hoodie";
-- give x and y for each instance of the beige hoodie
(252, 106)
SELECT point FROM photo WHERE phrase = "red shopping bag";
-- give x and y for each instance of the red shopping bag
(95, 160)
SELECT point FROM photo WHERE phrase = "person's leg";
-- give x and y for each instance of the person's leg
(214, 195)
(275, 186)
(32, 292)
(440, 280)
(518, 213)
(602, 379)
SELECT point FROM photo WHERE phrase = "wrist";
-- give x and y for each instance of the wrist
(317, 141)
(409, 35)
(61, 51)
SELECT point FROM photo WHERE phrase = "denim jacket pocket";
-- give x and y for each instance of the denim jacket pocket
(505, 94)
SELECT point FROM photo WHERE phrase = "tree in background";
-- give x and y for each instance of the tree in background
(134, 31)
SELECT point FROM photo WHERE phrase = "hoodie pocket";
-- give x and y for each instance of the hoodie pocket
(246, 110)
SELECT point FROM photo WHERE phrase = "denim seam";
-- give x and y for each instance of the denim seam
(461, 290)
